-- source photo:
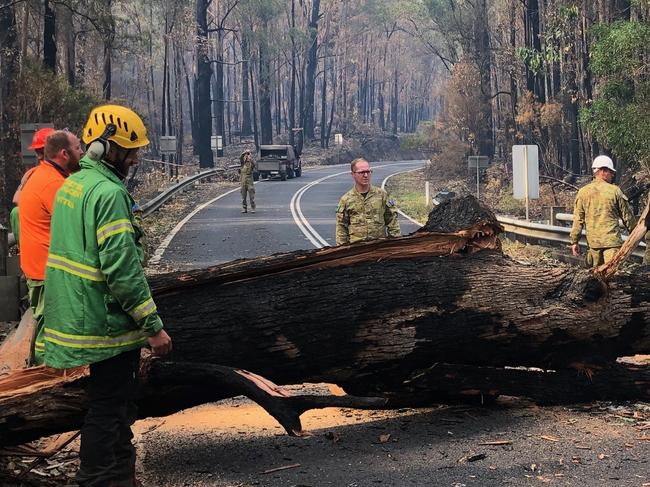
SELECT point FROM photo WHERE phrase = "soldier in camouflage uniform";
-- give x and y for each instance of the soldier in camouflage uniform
(598, 207)
(365, 212)
(246, 180)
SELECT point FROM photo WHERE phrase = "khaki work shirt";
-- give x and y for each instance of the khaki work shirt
(598, 207)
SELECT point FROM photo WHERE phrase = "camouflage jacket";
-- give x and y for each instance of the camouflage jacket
(598, 207)
(359, 218)
(247, 167)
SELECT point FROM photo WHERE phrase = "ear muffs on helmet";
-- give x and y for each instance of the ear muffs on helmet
(99, 147)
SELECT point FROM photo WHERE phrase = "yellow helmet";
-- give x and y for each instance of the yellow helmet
(130, 132)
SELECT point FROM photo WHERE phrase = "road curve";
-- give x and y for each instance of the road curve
(291, 215)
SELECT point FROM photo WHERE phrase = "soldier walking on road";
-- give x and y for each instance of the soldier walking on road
(246, 180)
(598, 207)
(365, 212)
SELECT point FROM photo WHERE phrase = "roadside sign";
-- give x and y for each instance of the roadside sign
(481, 162)
(478, 163)
(338, 139)
(27, 131)
(525, 173)
(168, 144)
(216, 144)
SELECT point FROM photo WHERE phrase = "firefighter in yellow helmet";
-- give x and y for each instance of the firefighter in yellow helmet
(98, 306)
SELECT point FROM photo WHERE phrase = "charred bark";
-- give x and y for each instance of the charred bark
(246, 104)
(425, 318)
(202, 104)
(312, 65)
(49, 37)
(10, 167)
(39, 401)
(266, 121)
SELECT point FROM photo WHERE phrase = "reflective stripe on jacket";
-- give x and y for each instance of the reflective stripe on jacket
(98, 303)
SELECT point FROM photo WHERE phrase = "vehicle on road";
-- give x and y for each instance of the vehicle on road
(280, 160)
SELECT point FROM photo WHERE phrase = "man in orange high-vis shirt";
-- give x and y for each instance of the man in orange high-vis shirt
(38, 146)
(62, 152)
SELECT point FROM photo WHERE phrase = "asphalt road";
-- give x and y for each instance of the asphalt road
(296, 214)
(234, 443)
(513, 443)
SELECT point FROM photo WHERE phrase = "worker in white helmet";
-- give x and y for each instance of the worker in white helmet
(598, 207)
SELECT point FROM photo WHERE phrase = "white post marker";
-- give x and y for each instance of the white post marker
(478, 162)
(427, 200)
(526, 179)
(338, 140)
(525, 173)
(478, 183)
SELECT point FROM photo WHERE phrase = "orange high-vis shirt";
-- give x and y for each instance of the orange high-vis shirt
(34, 214)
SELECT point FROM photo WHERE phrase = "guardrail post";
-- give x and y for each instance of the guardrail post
(4, 250)
(554, 210)
(9, 285)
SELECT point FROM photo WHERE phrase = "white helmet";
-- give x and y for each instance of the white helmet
(602, 161)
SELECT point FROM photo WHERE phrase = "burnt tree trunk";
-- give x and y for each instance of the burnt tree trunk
(218, 91)
(264, 83)
(42, 402)
(202, 104)
(292, 89)
(246, 104)
(438, 315)
(256, 135)
(10, 166)
(312, 65)
(49, 37)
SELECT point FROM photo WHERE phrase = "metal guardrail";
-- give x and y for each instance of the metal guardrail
(568, 217)
(150, 206)
(543, 234)
(10, 283)
(564, 217)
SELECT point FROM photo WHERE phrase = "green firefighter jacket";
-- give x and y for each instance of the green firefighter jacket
(98, 303)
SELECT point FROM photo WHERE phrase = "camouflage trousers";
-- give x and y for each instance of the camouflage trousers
(247, 188)
(596, 257)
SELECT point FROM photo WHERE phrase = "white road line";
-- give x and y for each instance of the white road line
(170, 236)
(303, 224)
(383, 186)
(314, 237)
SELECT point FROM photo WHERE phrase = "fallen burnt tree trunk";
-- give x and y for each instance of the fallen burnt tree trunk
(372, 317)
(50, 403)
(381, 312)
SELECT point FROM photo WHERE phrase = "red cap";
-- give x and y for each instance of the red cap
(38, 142)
